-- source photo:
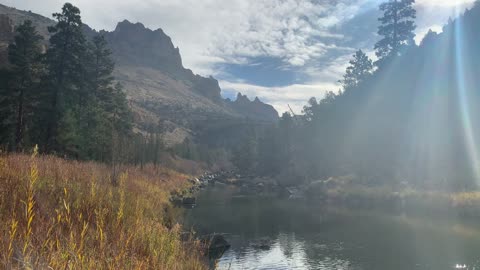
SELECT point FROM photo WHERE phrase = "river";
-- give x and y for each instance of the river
(273, 232)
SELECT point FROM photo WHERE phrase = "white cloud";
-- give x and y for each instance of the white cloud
(433, 14)
(295, 95)
(211, 32)
(445, 3)
(217, 31)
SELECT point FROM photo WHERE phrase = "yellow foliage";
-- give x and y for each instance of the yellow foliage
(74, 218)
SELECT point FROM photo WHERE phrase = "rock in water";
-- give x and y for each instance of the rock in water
(217, 242)
(215, 246)
(189, 200)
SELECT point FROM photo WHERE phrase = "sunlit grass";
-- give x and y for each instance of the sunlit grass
(459, 203)
(59, 214)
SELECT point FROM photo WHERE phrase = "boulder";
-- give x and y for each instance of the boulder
(195, 181)
(189, 200)
(217, 241)
(215, 245)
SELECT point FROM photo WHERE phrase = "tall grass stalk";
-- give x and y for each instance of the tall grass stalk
(72, 217)
(30, 204)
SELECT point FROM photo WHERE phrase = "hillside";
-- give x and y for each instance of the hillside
(425, 101)
(162, 93)
(411, 122)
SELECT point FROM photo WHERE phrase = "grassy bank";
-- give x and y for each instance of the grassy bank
(59, 214)
(466, 204)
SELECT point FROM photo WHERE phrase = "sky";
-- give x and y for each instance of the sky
(283, 51)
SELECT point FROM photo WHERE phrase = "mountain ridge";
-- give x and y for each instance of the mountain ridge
(162, 93)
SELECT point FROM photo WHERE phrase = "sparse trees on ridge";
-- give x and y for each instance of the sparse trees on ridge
(396, 29)
(360, 68)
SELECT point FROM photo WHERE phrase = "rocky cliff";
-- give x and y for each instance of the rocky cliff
(161, 91)
(253, 109)
(6, 35)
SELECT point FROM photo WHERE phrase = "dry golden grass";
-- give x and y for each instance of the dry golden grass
(461, 203)
(59, 214)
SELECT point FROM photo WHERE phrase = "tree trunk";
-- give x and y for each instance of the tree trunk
(395, 28)
(20, 122)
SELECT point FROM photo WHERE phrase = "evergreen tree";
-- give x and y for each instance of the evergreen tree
(309, 111)
(102, 69)
(7, 109)
(24, 55)
(360, 68)
(397, 27)
(120, 118)
(106, 117)
(120, 113)
(66, 72)
(245, 154)
(98, 94)
(286, 128)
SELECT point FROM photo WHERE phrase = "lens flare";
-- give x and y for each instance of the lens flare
(465, 111)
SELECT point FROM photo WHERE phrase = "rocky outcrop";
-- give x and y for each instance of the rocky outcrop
(6, 29)
(254, 109)
(133, 44)
(17, 17)
(161, 91)
(148, 61)
(6, 36)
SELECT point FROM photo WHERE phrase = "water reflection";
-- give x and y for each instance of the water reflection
(268, 232)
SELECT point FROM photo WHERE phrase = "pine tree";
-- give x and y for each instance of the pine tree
(65, 60)
(120, 118)
(120, 113)
(7, 109)
(397, 27)
(95, 140)
(69, 91)
(103, 67)
(245, 154)
(24, 55)
(360, 68)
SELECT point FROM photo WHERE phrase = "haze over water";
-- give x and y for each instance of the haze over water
(273, 232)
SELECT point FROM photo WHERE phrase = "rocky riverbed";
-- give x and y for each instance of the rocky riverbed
(248, 183)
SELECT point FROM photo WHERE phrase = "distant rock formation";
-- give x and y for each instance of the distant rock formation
(133, 44)
(161, 91)
(6, 36)
(254, 109)
(6, 28)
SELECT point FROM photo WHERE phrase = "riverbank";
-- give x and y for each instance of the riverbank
(345, 192)
(463, 204)
(63, 214)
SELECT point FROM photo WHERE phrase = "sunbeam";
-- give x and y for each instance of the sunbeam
(462, 80)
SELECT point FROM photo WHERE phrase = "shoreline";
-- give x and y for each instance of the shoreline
(353, 196)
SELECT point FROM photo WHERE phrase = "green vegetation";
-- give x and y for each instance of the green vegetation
(405, 122)
(396, 29)
(64, 100)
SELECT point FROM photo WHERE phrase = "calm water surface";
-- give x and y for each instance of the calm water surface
(271, 232)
